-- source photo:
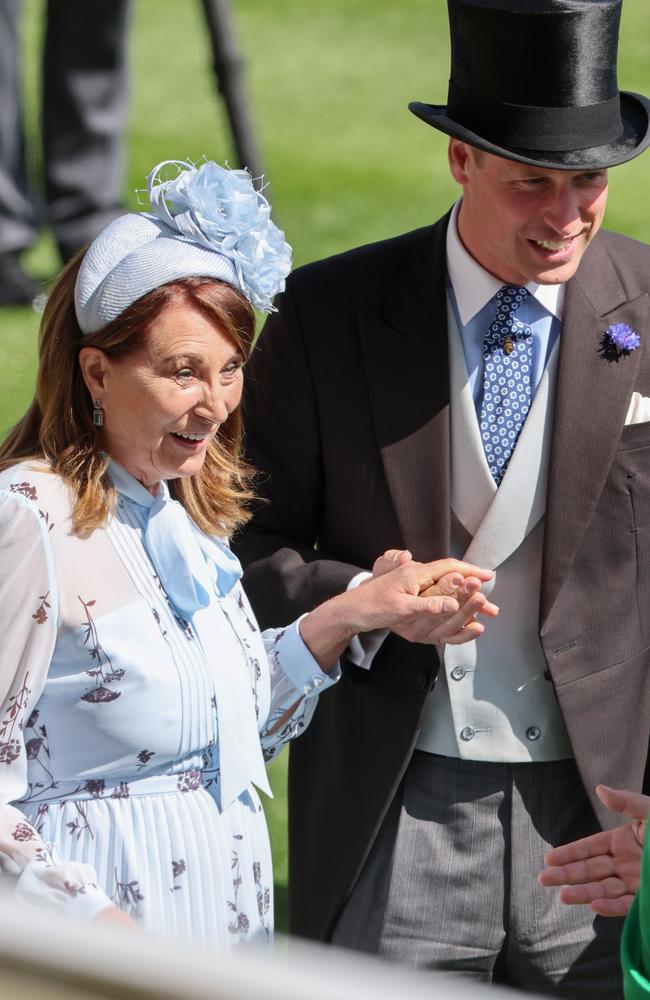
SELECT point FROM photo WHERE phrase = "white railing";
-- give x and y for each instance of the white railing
(43, 956)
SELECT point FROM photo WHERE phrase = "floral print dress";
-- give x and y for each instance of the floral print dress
(110, 756)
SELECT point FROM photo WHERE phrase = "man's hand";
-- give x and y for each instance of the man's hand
(390, 560)
(603, 870)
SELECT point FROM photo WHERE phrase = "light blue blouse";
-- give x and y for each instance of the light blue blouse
(137, 700)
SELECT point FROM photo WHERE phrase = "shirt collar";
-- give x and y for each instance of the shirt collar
(474, 286)
(128, 486)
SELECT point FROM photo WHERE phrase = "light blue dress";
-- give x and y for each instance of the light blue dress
(125, 723)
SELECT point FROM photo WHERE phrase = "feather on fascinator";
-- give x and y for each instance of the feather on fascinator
(206, 221)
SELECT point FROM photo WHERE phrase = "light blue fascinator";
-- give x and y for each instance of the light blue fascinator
(205, 221)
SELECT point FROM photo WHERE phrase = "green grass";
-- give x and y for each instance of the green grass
(347, 164)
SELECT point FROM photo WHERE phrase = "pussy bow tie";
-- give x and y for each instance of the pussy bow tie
(191, 566)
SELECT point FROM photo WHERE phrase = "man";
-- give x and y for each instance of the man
(465, 388)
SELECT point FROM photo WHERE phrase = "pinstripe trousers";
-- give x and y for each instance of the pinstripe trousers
(451, 881)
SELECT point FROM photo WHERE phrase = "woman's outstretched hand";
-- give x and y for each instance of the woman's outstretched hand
(435, 602)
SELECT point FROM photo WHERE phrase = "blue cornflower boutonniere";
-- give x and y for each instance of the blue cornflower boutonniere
(618, 341)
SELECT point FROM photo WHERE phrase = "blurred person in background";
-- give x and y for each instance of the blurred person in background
(481, 387)
(138, 699)
(83, 120)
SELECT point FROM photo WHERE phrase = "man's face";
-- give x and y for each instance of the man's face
(526, 223)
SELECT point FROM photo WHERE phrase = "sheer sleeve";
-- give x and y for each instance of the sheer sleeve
(28, 623)
(296, 682)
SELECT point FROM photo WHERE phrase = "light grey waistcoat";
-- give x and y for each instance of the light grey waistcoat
(494, 700)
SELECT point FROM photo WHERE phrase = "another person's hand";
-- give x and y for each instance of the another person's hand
(392, 600)
(603, 870)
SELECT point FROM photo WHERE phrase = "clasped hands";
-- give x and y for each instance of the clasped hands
(445, 604)
(435, 602)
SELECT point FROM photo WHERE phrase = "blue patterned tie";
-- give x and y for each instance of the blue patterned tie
(506, 380)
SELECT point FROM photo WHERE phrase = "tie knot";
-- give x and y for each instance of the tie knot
(506, 328)
(509, 298)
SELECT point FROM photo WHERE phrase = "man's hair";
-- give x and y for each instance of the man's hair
(58, 426)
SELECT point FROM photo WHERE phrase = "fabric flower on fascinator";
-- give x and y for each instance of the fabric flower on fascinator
(220, 209)
(618, 341)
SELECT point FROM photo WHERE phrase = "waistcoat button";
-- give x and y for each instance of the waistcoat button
(533, 733)
(458, 673)
(467, 734)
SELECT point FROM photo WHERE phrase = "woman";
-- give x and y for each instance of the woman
(139, 701)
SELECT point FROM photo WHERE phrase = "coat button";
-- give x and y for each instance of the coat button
(467, 734)
(458, 673)
(533, 733)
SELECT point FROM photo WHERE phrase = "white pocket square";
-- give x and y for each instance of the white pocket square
(638, 411)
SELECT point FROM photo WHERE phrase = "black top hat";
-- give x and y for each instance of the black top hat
(535, 81)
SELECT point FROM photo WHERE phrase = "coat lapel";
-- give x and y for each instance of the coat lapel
(405, 357)
(519, 503)
(592, 399)
(473, 488)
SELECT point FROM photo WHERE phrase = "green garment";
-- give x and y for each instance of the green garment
(635, 943)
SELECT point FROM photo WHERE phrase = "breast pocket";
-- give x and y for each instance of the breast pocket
(635, 436)
(633, 457)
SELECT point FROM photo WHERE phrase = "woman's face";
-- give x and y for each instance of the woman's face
(164, 402)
